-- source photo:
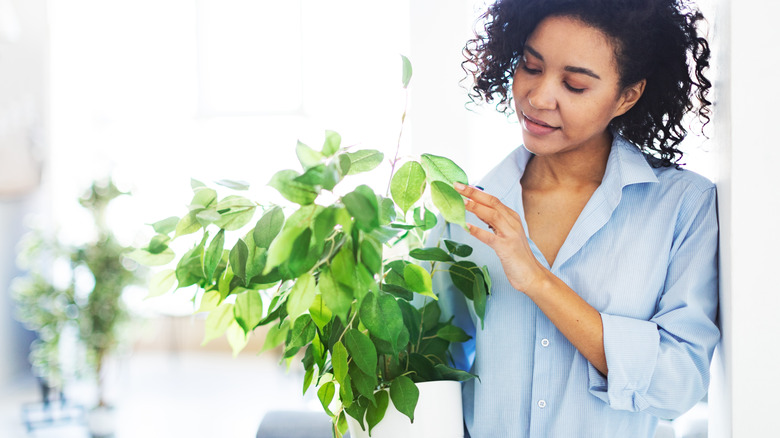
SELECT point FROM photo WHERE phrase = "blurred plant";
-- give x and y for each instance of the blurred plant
(95, 311)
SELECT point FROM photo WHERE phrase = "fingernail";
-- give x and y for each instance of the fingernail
(481, 188)
(458, 185)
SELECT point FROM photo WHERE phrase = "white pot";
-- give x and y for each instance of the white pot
(439, 414)
(101, 421)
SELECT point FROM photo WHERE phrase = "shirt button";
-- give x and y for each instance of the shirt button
(542, 404)
(545, 342)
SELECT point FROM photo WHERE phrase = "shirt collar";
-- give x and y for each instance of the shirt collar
(626, 165)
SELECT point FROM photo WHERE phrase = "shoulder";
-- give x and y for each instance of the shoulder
(682, 179)
(500, 180)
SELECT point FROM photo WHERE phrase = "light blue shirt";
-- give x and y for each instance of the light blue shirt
(643, 252)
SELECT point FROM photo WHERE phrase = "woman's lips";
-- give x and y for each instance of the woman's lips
(537, 127)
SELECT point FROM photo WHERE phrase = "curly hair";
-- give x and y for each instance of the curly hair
(653, 40)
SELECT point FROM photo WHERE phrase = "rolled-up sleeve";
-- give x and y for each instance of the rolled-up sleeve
(662, 365)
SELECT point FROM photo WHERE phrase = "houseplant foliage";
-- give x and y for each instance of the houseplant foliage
(365, 323)
(95, 312)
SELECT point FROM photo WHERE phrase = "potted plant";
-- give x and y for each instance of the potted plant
(95, 311)
(338, 278)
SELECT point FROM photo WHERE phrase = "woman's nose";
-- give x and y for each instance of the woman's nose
(542, 96)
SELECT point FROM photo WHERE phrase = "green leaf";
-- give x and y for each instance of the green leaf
(357, 411)
(463, 275)
(325, 394)
(235, 218)
(458, 249)
(341, 423)
(307, 379)
(281, 247)
(307, 156)
(203, 198)
(189, 270)
(382, 316)
(237, 259)
(209, 301)
(236, 337)
(426, 220)
(302, 332)
(449, 203)
(161, 283)
(294, 191)
(208, 216)
(276, 335)
(166, 226)
(374, 414)
(218, 321)
(255, 259)
(406, 71)
(188, 224)
(452, 333)
(442, 169)
(195, 184)
(337, 297)
(301, 295)
(430, 314)
(213, 255)
(371, 255)
(362, 205)
(321, 176)
(158, 244)
(301, 258)
(268, 227)
(233, 184)
(146, 258)
(387, 213)
(344, 164)
(248, 310)
(408, 185)
(488, 280)
(430, 254)
(364, 383)
(418, 280)
(480, 299)
(364, 160)
(319, 312)
(346, 396)
(404, 394)
(448, 373)
(343, 267)
(339, 362)
(362, 350)
(332, 143)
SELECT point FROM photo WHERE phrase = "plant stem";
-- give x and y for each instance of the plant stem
(398, 146)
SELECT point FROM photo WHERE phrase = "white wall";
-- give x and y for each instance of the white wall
(22, 138)
(749, 214)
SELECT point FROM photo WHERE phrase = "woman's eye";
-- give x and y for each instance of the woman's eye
(530, 70)
(572, 89)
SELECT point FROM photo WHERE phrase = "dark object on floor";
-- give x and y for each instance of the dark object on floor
(295, 424)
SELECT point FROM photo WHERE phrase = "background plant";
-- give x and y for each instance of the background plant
(95, 312)
(322, 276)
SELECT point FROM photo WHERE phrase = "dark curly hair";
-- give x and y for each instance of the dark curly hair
(653, 39)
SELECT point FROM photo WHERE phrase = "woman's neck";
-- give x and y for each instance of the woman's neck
(583, 166)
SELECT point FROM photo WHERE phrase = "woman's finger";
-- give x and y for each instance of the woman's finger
(488, 208)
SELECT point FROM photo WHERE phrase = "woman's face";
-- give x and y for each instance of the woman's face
(566, 87)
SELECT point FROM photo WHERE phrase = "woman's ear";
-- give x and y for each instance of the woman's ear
(630, 96)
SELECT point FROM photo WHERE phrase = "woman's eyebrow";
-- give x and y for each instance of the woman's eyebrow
(572, 69)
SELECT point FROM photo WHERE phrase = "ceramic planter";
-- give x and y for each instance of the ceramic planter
(439, 414)
(101, 421)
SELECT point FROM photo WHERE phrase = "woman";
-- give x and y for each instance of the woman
(603, 252)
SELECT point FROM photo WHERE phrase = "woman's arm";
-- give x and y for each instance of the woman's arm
(573, 316)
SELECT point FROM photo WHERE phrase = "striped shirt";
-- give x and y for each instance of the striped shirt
(643, 252)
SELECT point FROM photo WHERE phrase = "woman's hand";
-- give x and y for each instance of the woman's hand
(573, 316)
(507, 238)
